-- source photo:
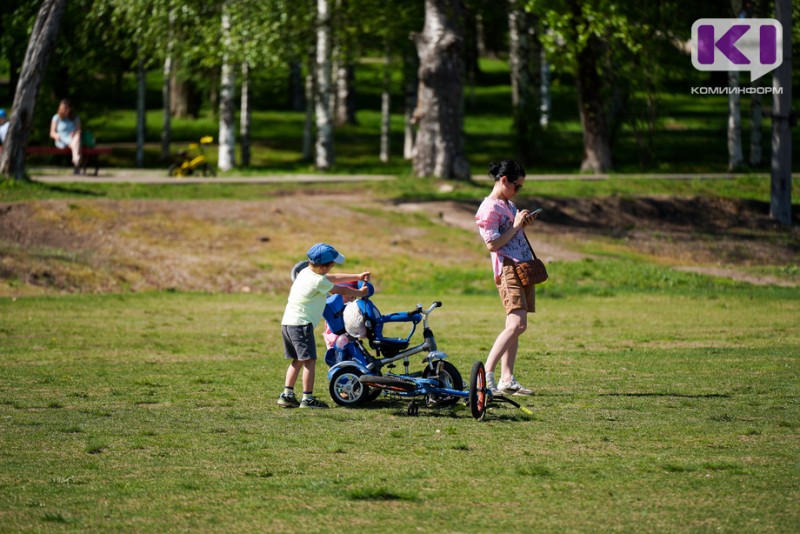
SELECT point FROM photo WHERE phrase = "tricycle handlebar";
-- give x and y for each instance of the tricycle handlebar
(435, 305)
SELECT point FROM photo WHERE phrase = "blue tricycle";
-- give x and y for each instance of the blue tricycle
(355, 375)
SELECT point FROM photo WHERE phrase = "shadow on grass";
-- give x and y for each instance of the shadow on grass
(674, 395)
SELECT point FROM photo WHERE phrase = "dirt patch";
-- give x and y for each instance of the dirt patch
(462, 215)
(232, 246)
(712, 236)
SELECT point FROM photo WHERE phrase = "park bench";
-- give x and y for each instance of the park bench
(89, 155)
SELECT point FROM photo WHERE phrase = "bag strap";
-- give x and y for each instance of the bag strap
(529, 244)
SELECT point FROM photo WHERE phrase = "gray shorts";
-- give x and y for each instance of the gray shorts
(298, 342)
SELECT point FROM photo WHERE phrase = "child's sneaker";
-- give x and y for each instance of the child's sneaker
(313, 403)
(288, 401)
(513, 388)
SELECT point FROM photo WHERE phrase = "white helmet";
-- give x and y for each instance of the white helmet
(354, 322)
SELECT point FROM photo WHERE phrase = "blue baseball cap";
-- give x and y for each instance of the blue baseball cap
(2, 113)
(323, 253)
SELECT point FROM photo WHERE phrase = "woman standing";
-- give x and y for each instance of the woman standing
(65, 130)
(501, 226)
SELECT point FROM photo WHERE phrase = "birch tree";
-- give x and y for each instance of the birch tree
(141, 108)
(440, 144)
(324, 158)
(245, 115)
(386, 99)
(735, 157)
(166, 89)
(410, 83)
(226, 158)
(40, 47)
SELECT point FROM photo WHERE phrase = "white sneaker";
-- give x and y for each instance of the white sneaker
(513, 388)
(492, 387)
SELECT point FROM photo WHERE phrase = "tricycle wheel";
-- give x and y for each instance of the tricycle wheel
(372, 394)
(477, 390)
(346, 389)
(450, 378)
(175, 169)
(388, 382)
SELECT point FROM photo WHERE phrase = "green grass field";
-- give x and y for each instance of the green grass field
(653, 411)
(666, 401)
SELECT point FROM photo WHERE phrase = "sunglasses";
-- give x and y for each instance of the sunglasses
(517, 186)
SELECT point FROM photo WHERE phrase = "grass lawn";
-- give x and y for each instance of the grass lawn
(653, 411)
(665, 400)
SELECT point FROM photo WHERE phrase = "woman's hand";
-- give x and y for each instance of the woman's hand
(519, 220)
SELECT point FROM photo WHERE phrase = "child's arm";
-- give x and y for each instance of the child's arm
(350, 291)
(342, 278)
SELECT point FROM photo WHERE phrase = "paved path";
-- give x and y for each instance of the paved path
(150, 176)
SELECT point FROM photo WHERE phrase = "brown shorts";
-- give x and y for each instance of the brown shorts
(514, 295)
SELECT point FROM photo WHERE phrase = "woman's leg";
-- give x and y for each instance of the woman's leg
(506, 344)
(75, 146)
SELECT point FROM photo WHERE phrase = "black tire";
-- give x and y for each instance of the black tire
(173, 169)
(208, 170)
(450, 378)
(372, 394)
(346, 389)
(477, 391)
(388, 382)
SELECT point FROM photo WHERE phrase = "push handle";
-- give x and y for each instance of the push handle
(416, 310)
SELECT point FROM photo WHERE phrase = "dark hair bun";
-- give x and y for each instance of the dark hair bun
(507, 167)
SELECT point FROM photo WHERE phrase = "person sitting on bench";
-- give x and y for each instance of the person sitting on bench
(3, 126)
(65, 130)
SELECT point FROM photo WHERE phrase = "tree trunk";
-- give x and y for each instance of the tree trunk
(40, 48)
(141, 109)
(324, 153)
(386, 98)
(179, 103)
(296, 97)
(780, 207)
(13, 74)
(735, 157)
(545, 102)
(522, 98)
(166, 95)
(345, 93)
(335, 73)
(517, 55)
(244, 115)
(308, 127)
(596, 144)
(480, 35)
(227, 133)
(440, 144)
(756, 121)
(410, 83)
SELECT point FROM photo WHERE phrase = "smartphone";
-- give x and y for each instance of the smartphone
(533, 215)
